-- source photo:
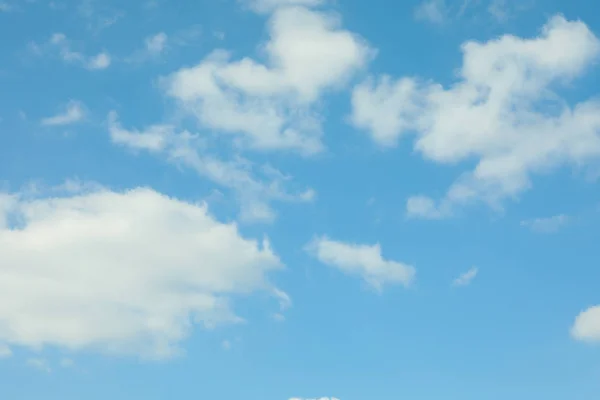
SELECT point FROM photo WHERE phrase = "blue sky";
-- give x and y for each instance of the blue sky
(299, 199)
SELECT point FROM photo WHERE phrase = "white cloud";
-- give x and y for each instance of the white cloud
(5, 351)
(39, 363)
(226, 344)
(502, 112)
(98, 15)
(126, 273)
(272, 106)
(74, 112)
(499, 10)
(314, 398)
(361, 260)
(156, 44)
(99, 61)
(587, 326)
(279, 317)
(424, 207)
(266, 6)
(155, 138)
(254, 193)
(59, 41)
(5, 7)
(466, 278)
(67, 363)
(434, 11)
(546, 225)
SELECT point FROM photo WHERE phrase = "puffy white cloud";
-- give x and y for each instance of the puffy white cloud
(546, 225)
(361, 260)
(255, 193)
(466, 278)
(271, 106)
(74, 112)
(125, 273)
(503, 113)
(587, 325)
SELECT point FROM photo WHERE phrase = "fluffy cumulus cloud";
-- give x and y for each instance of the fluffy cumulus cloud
(587, 325)
(120, 272)
(273, 105)
(255, 192)
(503, 112)
(74, 112)
(361, 260)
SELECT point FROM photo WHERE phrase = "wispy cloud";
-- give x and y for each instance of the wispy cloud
(5, 351)
(39, 363)
(59, 42)
(98, 14)
(67, 363)
(154, 46)
(434, 11)
(546, 225)
(466, 278)
(440, 11)
(74, 112)
(499, 10)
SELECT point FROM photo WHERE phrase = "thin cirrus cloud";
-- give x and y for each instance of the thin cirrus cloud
(122, 273)
(154, 46)
(59, 42)
(74, 112)
(548, 224)
(314, 398)
(40, 364)
(5, 351)
(434, 11)
(266, 6)
(466, 278)
(364, 261)
(255, 191)
(441, 11)
(492, 114)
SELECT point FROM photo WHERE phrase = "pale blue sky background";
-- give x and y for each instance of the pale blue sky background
(504, 335)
